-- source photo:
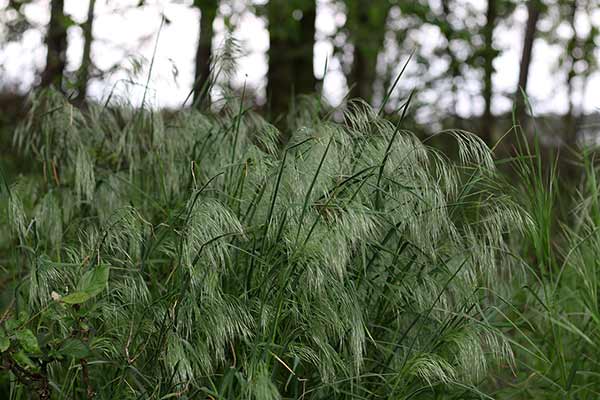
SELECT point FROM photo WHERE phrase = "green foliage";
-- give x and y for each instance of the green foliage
(190, 257)
(554, 312)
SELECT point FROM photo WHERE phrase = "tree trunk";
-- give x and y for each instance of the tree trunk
(573, 45)
(568, 156)
(366, 26)
(489, 55)
(533, 11)
(208, 12)
(363, 73)
(83, 74)
(56, 42)
(455, 65)
(305, 77)
(291, 37)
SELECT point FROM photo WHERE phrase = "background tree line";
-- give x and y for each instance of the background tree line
(467, 49)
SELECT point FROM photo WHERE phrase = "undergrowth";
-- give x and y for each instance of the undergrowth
(193, 257)
(554, 312)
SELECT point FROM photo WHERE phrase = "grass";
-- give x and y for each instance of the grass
(556, 306)
(194, 257)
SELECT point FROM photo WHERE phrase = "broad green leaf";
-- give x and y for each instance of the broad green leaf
(75, 348)
(94, 281)
(76, 298)
(28, 341)
(4, 342)
(24, 362)
(11, 324)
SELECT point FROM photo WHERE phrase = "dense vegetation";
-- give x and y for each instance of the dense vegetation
(193, 257)
(250, 245)
(152, 255)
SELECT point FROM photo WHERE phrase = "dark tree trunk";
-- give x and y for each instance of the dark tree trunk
(489, 55)
(455, 65)
(305, 77)
(208, 12)
(572, 47)
(363, 74)
(569, 156)
(56, 42)
(533, 10)
(366, 28)
(83, 74)
(290, 54)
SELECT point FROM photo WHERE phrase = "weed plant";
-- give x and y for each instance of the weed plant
(193, 257)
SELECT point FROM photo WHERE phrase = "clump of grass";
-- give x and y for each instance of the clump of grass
(193, 257)
(553, 316)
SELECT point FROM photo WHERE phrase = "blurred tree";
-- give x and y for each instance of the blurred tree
(490, 54)
(497, 10)
(13, 21)
(203, 59)
(573, 54)
(83, 74)
(578, 59)
(534, 8)
(291, 36)
(456, 22)
(56, 42)
(576, 63)
(366, 28)
(451, 34)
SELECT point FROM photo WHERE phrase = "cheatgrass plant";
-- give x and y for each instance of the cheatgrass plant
(194, 257)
